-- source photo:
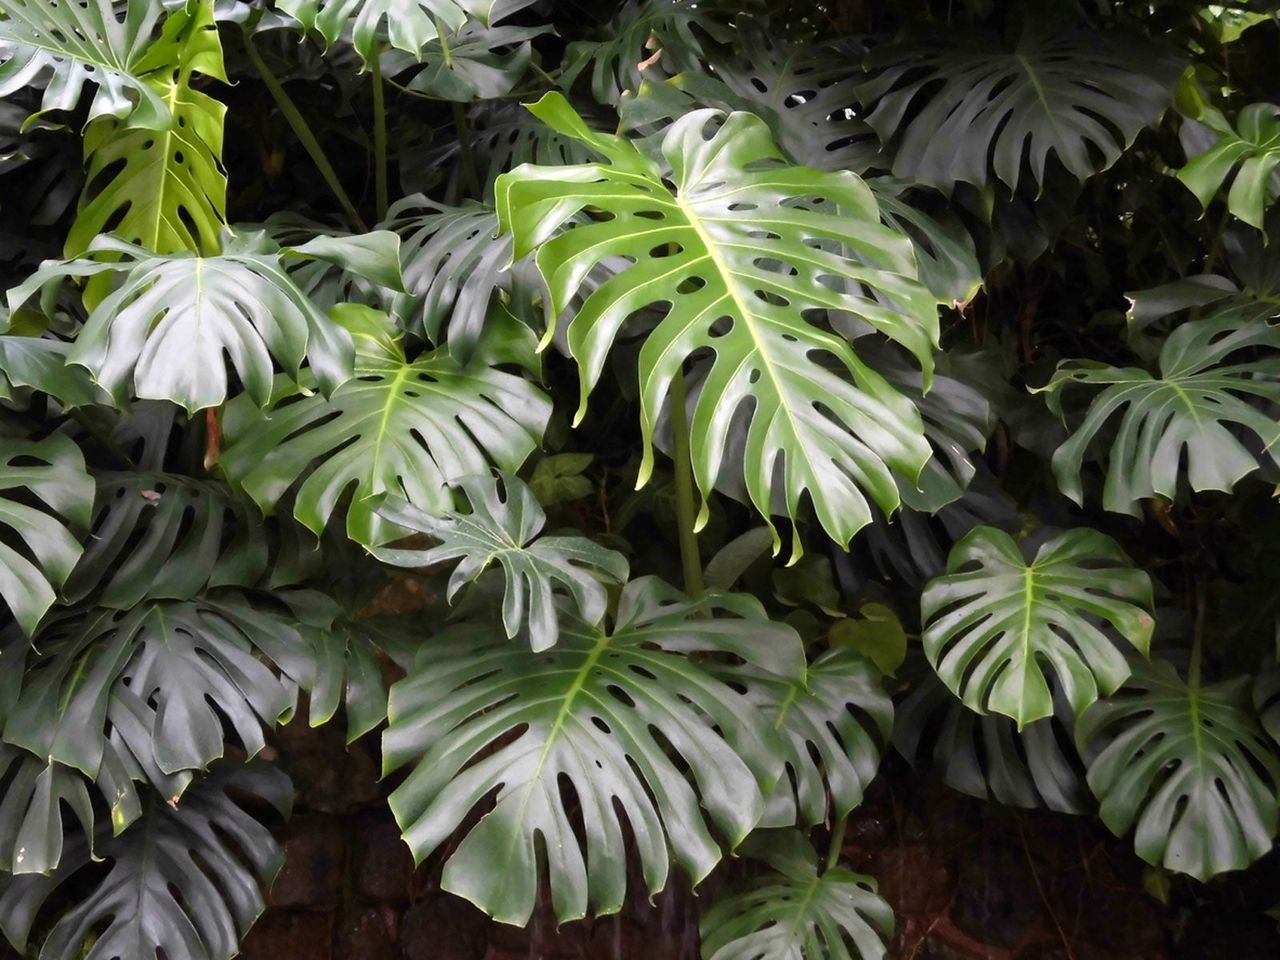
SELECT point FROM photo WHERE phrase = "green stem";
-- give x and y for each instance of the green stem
(379, 138)
(690, 559)
(303, 132)
(466, 156)
(837, 842)
(1197, 639)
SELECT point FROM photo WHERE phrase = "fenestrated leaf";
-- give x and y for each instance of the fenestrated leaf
(349, 670)
(985, 755)
(479, 61)
(503, 528)
(399, 427)
(743, 252)
(164, 329)
(981, 110)
(647, 38)
(1196, 405)
(834, 723)
(177, 668)
(162, 187)
(994, 621)
(410, 24)
(605, 713)
(40, 363)
(1252, 146)
(793, 912)
(73, 42)
(52, 472)
(185, 880)
(1189, 766)
(31, 824)
(166, 536)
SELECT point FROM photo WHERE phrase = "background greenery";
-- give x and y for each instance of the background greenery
(759, 387)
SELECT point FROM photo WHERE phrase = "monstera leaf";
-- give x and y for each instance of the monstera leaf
(411, 24)
(50, 472)
(40, 363)
(183, 883)
(400, 427)
(166, 536)
(165, 327)
(1189, 766)
(743, 251)
(995, 620)
(805, 92)
(986, 755)
(162, 188)
(1198, 403)
(795, 912)
(348, 659)
(479, 60)
(178, 667)
(614, 716)
(69, 43)
(646, 38)
(31, 802)
(502, 528)
(979, 109)
(455, 270)
(834, 723)
(1253, 146)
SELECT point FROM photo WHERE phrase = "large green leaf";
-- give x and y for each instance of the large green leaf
(411, 24)
(834, 723)
(1189, 766)
(994, 621)
(162, 188)
(163, 331)
(1197, 404)
(73, 42)
(965, 107)
(744, 251)
(1252, 146)
(401, 427)
(162, 677)
(646, 38)
(40, 363)
(166, 536)
(503, 528)
(32, 795)
(795, 912)
(348, 669)
(616, 716)
(51, 473)
(185, 880)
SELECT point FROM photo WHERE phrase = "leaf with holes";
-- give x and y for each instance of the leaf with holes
(162, 331)
(164, 536)
(744, 251)
(834, 723)
(184, 882)
(401, 427)
(162, 677)
(795, 912)
(1198, 404)
(1189, 766)
(1250, 151)
(994, 621)
(616, 714)
(40, 363)
(410, 24)
(503, 528)
(50, 471)
(162, 188)
(348, 658)
(69, 43)
(979, 110)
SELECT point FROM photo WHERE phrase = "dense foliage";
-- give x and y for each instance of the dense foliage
(760, 387)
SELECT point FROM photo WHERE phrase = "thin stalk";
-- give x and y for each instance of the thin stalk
(837, 842)
(379, 138)
(466, 156)
(1197, 639)
(690, 560)
(303, 132)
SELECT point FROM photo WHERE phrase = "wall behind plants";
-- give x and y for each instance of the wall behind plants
(820, 455)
